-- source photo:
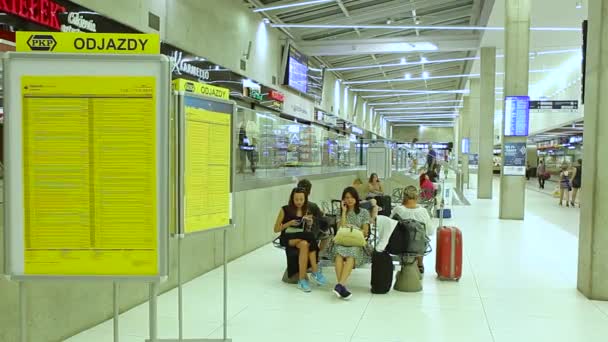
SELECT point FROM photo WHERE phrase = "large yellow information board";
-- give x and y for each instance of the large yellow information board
(90, 182)
(207, 169)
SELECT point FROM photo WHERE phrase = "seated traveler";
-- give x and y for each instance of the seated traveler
(347, 258)
(374, 187)
(410, 210)
(294, 222)
(320, 225)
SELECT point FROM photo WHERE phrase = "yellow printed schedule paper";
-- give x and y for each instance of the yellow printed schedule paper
(207, 169)
(89, 154)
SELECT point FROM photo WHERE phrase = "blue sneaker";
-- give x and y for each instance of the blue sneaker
(303, 285)
(319, 278)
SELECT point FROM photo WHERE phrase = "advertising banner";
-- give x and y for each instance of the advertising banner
(515, 159)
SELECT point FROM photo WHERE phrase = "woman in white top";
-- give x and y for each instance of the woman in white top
(410, 210)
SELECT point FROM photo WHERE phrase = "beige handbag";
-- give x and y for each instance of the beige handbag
(350, 236)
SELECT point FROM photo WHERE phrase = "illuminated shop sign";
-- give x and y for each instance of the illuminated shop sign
(43, 12)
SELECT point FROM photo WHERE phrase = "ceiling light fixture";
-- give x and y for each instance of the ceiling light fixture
(425, 76)
(414, 27)
(403, 61)
(415, 108)
(412, 102)
(408, 76)
(403, 91)
(266, 21)
(297, 4)
(579, 4)
(406, 94)
(423, 60)
(439, 61)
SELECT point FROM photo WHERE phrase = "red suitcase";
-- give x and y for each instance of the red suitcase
(449, 253)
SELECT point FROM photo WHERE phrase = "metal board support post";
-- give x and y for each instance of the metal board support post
(22, 312)
(116, 309)
(153, 312)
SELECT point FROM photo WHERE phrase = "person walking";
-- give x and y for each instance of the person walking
(564, 186)
(576, 181)
(541, 170)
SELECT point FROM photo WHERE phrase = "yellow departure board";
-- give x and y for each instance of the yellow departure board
(207, 169)
(90, 175)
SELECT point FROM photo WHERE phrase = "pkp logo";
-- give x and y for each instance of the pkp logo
(42, 42)
(190, 87)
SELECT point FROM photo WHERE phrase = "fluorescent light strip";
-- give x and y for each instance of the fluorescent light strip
(295, 4)
(412, 79)
(418, 117)
(423, 125)
(407, 94)
(403, 91)
(439, 77)
(419, 113)
(415, 108)
(412, 102)
(418, 27)
(438, 61)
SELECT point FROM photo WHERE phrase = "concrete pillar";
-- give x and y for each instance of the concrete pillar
(486, 123)
(593, 235)
(473, 115)
(517, 50)
(464, 124)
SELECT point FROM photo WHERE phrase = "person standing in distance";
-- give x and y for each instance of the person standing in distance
(577, 179)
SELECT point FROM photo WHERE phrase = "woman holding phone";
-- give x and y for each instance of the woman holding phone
(294, 223)
(347, 258)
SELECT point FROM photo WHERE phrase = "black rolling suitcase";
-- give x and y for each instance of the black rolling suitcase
(382, 272)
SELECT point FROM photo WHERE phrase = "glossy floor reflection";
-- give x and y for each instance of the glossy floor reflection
(519, 284)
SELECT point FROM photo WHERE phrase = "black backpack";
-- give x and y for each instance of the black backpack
(409, 237)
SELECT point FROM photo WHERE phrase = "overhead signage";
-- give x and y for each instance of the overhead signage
(298, 107)
(465, 145)
(517, 116)
(196, 68)
(474, 160)
(277, 96)
(186, 86)
(326, 119)
(357, 130)
(76, 42)
(515, 159)
(181, 66)
(576, 139)
(43, 12)
(554, 105)
(440, 146)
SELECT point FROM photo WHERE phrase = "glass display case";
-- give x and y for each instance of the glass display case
(269, 146)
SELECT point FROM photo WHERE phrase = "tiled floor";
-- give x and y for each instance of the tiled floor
(519, 284)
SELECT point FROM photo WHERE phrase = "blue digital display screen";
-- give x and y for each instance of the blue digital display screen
(297, 74)
(517, 116)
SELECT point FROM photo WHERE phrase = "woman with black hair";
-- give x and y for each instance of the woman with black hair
(294, 222)
(347, 258)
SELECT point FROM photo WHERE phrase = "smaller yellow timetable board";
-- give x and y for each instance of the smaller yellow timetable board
(207, 166)
(90, 175)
